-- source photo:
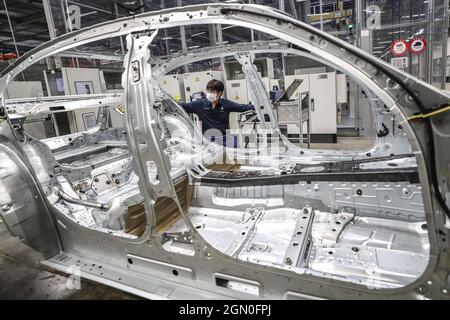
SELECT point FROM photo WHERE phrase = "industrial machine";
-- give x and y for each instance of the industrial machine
(151, 208)
(77, 81)
(323, 105)
(40, 126)
(24, 89)
(173, 85)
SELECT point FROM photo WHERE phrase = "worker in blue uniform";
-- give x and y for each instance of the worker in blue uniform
(214, 111)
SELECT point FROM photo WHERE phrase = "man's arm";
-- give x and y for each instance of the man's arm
(191, 107)
(236, 107)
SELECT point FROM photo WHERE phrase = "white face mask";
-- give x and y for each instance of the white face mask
(211, 96)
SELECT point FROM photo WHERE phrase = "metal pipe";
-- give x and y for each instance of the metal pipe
(166, 40)
(220, 42)
(358, 29)
(51, 32)
(294, 9)
(49, 18)
(11, 28)
(283, 57)
(67, 20)
(321, 14)
(281, 5)
(252, 32)
(308, 128)
(122, 46)
(444, 45)
(300, 118)
(429, 75)
(12, 34)
(358, 25)
(64, 196)
(183, 38)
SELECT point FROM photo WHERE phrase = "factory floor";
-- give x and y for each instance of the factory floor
(345, 143)
(22, 277)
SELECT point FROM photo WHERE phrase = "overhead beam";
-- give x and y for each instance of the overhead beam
(35, 18)
(34, 36)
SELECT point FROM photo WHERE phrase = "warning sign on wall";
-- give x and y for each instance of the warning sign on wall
(418, 45)
(399, 48)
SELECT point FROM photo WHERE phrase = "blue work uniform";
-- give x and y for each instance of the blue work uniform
(217, 118)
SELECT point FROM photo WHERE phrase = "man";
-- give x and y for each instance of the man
(214, 111)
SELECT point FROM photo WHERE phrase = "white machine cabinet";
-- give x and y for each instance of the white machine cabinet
(23, 89)
(238, 91)
(173, 85)
(323, 103)
(322, 88)
(196, 81)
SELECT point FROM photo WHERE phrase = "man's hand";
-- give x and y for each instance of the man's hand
(275, 105)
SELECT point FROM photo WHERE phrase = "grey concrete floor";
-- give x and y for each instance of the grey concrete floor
(23, 277)
(346, 143)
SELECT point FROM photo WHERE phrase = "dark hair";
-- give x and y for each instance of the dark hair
(216, 85)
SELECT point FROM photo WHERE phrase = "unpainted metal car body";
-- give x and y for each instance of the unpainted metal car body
(150, 209)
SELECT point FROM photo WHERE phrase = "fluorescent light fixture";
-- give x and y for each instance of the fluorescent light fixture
(198, 34)
(393, 32)
(373, 11)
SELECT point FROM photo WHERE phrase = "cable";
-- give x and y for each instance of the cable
(430, 114)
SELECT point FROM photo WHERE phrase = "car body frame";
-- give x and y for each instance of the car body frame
(41, 205)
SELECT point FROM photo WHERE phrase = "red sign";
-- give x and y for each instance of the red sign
(399, 48)
(418, 45)
(8, 56)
